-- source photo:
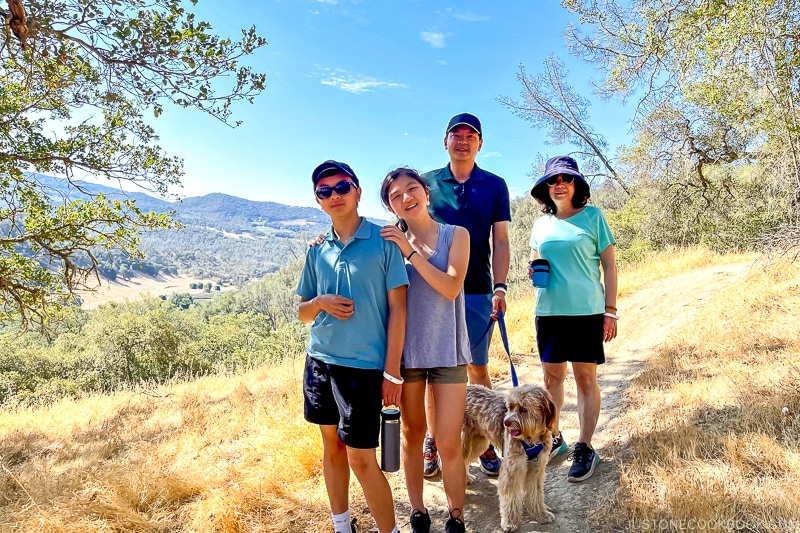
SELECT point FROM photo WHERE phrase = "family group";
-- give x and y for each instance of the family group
(404, 314)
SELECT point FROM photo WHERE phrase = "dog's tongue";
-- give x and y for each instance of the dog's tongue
(514, 432)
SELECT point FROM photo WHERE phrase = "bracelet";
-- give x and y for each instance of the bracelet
(409, 260)
(612, 308)
(611, 315)
(501, 289)
(389, 377)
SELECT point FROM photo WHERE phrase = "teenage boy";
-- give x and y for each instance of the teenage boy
(353, 289)
(465, 195)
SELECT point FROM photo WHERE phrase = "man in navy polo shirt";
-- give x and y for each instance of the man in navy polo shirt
(353, 290)
(465, 195)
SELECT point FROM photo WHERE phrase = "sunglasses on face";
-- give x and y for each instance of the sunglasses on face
(565, 178)
(341, 188)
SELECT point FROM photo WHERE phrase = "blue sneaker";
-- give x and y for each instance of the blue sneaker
(584, 461)
(490, 463)
(559, 446)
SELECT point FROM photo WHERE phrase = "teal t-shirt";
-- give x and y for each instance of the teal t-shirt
(573, 246)
(364, 270)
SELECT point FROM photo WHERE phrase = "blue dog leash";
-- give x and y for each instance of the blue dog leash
(532, 451)
(504, 335)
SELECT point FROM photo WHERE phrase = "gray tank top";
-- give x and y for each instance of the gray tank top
(436, 328)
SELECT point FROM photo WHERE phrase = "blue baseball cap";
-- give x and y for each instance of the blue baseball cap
(465, 119)
(339, 168)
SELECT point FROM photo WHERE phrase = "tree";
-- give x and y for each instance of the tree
(181, 300)
(548, 102)
(76, 77)
(718, 80)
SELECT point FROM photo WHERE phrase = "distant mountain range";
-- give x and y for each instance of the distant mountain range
(216, 210)
(226, 237)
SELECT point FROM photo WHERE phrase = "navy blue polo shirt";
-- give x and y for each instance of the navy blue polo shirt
(475, 205)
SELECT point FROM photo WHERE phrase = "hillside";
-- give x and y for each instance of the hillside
(225, 238)
(691, 404)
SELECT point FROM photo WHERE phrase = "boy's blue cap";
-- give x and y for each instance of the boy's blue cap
(330, 164)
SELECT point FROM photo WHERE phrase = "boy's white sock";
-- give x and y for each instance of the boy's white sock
(341, 522)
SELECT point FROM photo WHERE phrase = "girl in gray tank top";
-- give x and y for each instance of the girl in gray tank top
(436, 349)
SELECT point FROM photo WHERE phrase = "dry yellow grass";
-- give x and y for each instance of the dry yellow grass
(221, 454)
(714, 419)
(660, 265)
(708, 438)
(139, 286)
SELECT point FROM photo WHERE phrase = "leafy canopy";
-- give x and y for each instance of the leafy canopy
(76, 80)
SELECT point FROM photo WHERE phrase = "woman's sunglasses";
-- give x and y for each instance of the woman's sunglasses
(552, 180)
(341, 188)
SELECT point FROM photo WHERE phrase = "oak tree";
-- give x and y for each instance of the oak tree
(77, 80)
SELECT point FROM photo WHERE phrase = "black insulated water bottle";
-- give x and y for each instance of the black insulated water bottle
(390, 439)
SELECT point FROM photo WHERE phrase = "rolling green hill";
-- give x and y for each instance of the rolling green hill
(226, 237)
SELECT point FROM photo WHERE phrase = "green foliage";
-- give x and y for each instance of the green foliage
(148, 341)
(716, 155)
(717, 84)
(154, 340)
(182, 300)
(524, 211)
(94, 69)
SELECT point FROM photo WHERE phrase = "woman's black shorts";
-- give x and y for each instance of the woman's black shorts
(578, 339)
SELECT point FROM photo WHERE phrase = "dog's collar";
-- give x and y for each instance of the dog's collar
(532, 450)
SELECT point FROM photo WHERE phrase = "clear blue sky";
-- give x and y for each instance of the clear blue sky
(373, 83)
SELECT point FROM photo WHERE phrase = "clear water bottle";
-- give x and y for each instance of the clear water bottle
(390, 439)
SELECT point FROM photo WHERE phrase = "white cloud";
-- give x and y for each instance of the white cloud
(487, 155)
(331, 2)
(471, 17)
(361, 84)
(442, 62)
(434, 39)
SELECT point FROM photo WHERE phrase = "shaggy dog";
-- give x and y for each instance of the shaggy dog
(518, 421)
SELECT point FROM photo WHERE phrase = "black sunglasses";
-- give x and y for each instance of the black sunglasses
(566, 178)
(341, 188)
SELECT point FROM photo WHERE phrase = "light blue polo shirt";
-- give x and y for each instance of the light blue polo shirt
(573, 246)
(364, 270)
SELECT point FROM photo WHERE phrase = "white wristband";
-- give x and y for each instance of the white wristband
(611, 315)
(396, 381)
(501, 289)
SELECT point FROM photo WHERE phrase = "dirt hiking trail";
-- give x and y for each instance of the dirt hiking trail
(647, 318)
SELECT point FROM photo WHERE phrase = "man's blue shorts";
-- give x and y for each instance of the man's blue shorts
(479, 326)
(350, 398)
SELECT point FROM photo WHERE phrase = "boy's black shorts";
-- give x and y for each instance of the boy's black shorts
(350, 398)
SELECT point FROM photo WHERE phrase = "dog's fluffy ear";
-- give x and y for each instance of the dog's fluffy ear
(549, 413)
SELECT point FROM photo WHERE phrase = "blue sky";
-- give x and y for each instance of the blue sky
(373, 83)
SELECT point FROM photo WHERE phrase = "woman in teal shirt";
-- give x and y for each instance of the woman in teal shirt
(576, 311)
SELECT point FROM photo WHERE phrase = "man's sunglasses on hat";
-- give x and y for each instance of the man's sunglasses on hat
(341, 188)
